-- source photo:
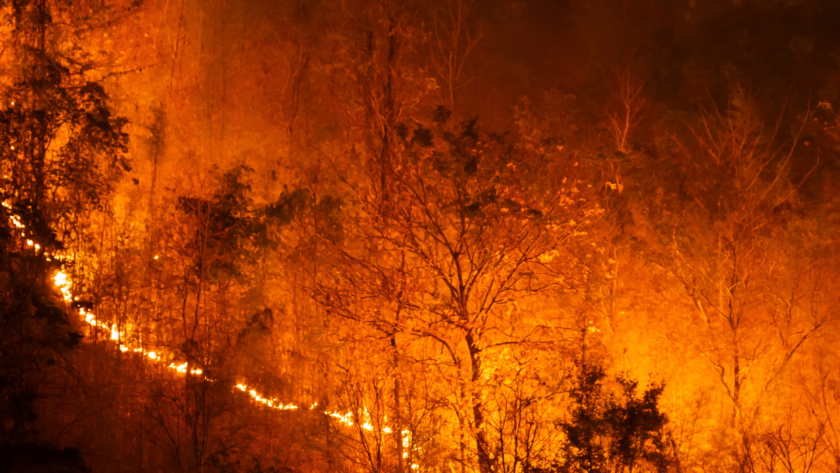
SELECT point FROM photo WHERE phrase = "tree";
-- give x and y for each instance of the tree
(63, 151)
(475, 230)
(609, 432)
(65, 147)
(454, 40)
(751, 268)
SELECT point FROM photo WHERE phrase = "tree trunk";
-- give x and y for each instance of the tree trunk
(484, 461)
(397, 415)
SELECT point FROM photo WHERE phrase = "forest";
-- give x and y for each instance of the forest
(394, 236)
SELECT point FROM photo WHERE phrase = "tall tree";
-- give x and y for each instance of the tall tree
(741, 253)
(63, 151)
(479, 229)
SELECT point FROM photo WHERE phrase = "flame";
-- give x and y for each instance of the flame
(346, 419)
(63, 285)
(272, 403)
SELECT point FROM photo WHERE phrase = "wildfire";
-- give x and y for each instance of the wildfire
(64, 284)
(272, 403)
(346, 419)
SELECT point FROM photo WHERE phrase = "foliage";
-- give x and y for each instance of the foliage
(608, 431)
(313, 210)
(63, 151)
(65, 147)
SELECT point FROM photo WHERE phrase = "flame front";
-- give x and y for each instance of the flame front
(64, 284)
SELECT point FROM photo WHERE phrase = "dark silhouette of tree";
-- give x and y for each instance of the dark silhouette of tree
(613, 432)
